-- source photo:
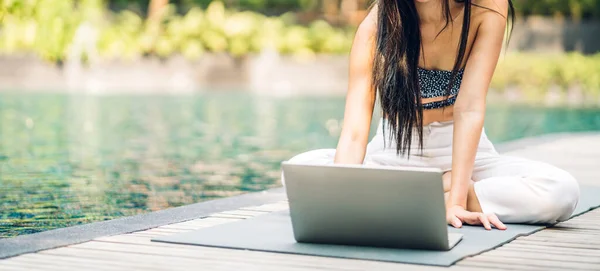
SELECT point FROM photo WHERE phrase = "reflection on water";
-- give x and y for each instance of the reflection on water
(67, 160)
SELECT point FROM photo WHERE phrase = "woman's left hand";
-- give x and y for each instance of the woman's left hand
(457, 215)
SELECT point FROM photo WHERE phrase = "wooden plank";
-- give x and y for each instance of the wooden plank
(561, 239)
(144, 241)
(533, 262)
(212, 252)
(467, 268)
(147, 235)
(583, 231)
(196, 252)
(247, 213)
(550, 250)
(500, 266)
(14, 268)
(232, 217)
(169, 231)
(13, 264)
(255, 209)
(559, 231)
(179, 227)
(566, 235)
(276, 259)
(525, 250)
(583, 219)
(131, 239)
(590, 227)
(161, 262)
(204, 222)
(142, 260)
(543, 256)
(269, 207)
(555, 244)
(42, 262)
(154, 232)
(594, 212)
(581, 225)
(44, 266)
(158, 262)
(588, 216)
(193, 221)
(207, 251)
(197, 224)
(90, 263)
(354, 264)
(175, 227)
(190, 224)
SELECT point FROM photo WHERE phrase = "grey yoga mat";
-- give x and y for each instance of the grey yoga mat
(273, 233)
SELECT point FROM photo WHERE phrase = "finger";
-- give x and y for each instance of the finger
(453, 220)
(456, 222)
(470, 218)
(485, 221)
(496, 222)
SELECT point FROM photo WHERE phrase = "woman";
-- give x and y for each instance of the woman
(431, 62)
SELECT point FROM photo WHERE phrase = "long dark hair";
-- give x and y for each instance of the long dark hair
(395, 75)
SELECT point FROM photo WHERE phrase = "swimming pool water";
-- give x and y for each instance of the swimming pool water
(68, 159)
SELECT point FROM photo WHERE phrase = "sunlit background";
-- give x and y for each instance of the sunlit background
(116, 108)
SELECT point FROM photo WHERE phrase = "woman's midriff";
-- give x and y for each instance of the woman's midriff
(438, 114)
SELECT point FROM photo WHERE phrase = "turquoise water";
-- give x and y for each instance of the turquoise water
(67, 160)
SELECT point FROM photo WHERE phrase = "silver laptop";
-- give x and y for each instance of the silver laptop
(368, 206)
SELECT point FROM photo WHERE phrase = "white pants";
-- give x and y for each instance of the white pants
(517, 190)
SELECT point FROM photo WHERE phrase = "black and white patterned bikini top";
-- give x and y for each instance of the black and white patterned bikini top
(434, 83)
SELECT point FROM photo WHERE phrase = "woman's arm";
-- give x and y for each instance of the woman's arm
(361, 95)
(469, 109)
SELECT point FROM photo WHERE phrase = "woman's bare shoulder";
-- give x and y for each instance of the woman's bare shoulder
(484, 10)
(368, 27)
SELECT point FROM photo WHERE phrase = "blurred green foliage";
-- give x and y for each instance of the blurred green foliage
(47, 27)
(568, 8)
(536, 73)
(272, 7)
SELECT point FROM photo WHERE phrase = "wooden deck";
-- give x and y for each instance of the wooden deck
(571, 245)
